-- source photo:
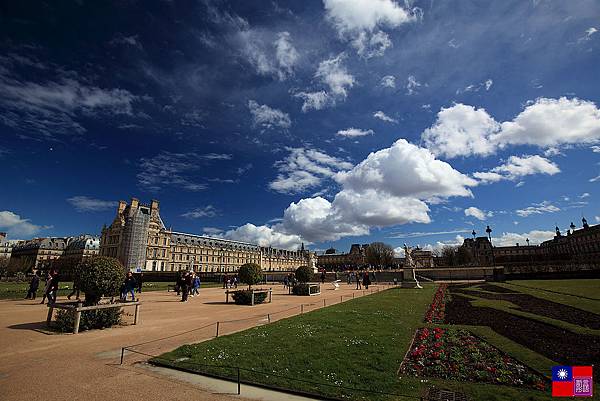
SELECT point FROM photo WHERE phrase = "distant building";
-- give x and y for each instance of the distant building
(6, 246)
(37, 253)
(332, 260)
(140, 240)
(580, 246)
(137, 237)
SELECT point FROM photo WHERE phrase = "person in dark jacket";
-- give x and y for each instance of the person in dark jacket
(129, 286)
(33, 286)
(53, 289)
(184, 285)
(366, 280)
(358, 274)
(140, 281)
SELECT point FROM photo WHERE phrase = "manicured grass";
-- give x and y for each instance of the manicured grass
(589, 288)
(356, 344)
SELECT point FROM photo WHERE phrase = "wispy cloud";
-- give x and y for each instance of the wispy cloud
(267, 117)
(199, 212)
(55, 107)
(305, 168)
(418, 234)
(354, 132)
(88, 204)
(384, 117)
(538, 208)
(180, 170)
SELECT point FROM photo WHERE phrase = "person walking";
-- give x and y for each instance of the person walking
(47, 287)
(366, 280)
(349, 277)
(196, 285)
(358, 281)
(235, 281)
(225, 281)
(140, 281)
(323, 277)
(34, 284)
(76, 290)
(183, 284)
(286, 282)
(129, 286)
(53, 289)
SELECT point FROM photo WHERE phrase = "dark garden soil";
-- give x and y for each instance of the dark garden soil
(559, 345)
(538, 306)
(498, 289)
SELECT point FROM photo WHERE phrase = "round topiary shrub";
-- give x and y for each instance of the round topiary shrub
(97, 277)
(250, 273)
(304, 274)
(100, 276)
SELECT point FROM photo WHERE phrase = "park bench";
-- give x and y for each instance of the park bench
(78, 308)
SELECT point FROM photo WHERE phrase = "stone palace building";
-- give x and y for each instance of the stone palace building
(140, 240)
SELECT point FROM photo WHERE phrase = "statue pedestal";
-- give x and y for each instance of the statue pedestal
(409, 280)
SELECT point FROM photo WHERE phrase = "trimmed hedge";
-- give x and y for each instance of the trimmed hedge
(304, 274)
(244, 297)
(90, 319)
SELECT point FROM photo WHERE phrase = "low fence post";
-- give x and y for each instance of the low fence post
(269, 317)
(122, 354)
(217, 330)
(77, 318)
(238, 380)
(323, 303)
(49, 317)
(301, 308)
(136, 314)
(341, 298)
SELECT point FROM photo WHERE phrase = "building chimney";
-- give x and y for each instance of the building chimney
(135, 203)
(122, 205)
(154, 204)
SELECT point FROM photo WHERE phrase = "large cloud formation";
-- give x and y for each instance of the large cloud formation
(463, 130)
(390, 187)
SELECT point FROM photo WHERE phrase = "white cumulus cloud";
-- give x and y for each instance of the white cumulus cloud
(354, 132)
(16, 226)
(462, 130)
(538, 208)
(517, 167)
(477, 213)
(389, 81)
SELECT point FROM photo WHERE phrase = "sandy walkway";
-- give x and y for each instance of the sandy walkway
(39, 366)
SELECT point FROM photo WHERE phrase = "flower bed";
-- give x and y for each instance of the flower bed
(456, 354)
(437, 310)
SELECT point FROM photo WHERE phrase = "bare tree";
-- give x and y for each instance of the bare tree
(379, 255)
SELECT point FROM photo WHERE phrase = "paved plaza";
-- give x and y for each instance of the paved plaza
(41, 366)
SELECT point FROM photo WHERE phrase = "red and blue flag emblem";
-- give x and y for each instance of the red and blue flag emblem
(572, 381)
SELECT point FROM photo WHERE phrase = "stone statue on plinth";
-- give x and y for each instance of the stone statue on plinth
(409, 279)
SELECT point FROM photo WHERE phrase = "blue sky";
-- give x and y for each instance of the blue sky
(327, 122)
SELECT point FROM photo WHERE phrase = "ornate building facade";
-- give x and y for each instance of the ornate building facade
(332, 260)
(577, 246)
(140, 240)
(37, 253)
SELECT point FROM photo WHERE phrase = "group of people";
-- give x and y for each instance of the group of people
(50, 289)
(230, 282)
(188, 284)
(289, 281)
(362, 279)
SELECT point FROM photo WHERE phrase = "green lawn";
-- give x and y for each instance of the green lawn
(356, 344)
(589, 288)
(10, 290)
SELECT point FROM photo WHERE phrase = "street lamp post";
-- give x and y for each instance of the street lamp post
(488, 230)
